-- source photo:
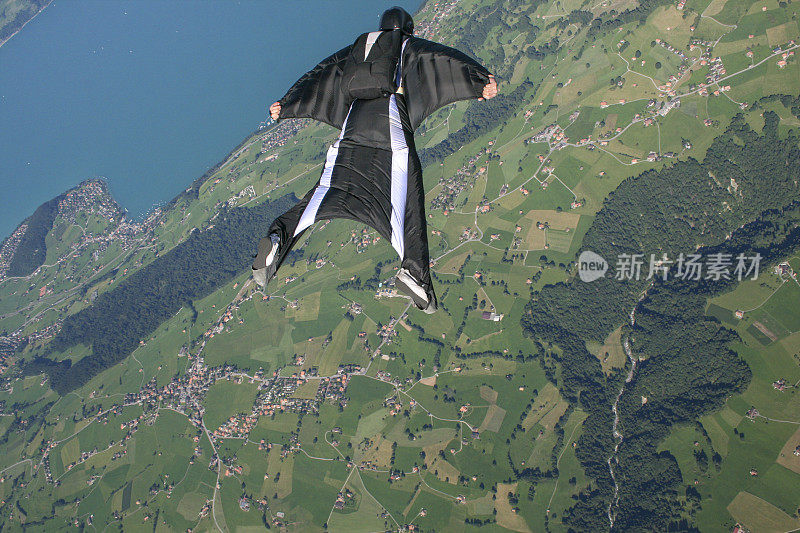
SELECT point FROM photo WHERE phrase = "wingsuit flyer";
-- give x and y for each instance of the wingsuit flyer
(377, 92)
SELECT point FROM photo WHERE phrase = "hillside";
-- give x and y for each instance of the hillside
(147, 383)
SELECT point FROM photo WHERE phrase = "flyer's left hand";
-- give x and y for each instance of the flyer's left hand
(275, 111)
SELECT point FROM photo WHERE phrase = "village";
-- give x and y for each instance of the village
(186, 394)
(452, 186)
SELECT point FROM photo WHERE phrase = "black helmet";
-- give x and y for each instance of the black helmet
(397, 18)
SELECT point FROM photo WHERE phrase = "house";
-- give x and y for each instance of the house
(491, 315)
(244, 504)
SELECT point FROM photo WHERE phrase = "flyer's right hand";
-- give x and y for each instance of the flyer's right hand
(489, 90)
(275, 110)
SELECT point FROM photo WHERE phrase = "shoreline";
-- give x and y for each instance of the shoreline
(164, 204)
(59, 180)
(25, 23)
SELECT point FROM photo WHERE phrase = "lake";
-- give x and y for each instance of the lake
(150, 94)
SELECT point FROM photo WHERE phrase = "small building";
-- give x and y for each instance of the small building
(244, 504)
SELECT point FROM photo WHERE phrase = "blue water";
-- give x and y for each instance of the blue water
(150, 94)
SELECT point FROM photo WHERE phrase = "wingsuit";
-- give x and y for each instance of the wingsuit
(376, 91)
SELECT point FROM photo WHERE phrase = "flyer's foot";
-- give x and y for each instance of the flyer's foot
(406, 284)
(260, 277)
(264, 263)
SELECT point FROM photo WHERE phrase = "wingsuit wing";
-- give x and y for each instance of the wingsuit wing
(435, 75)
(317, 94)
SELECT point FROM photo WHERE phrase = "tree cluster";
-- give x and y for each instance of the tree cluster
(129, 313)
